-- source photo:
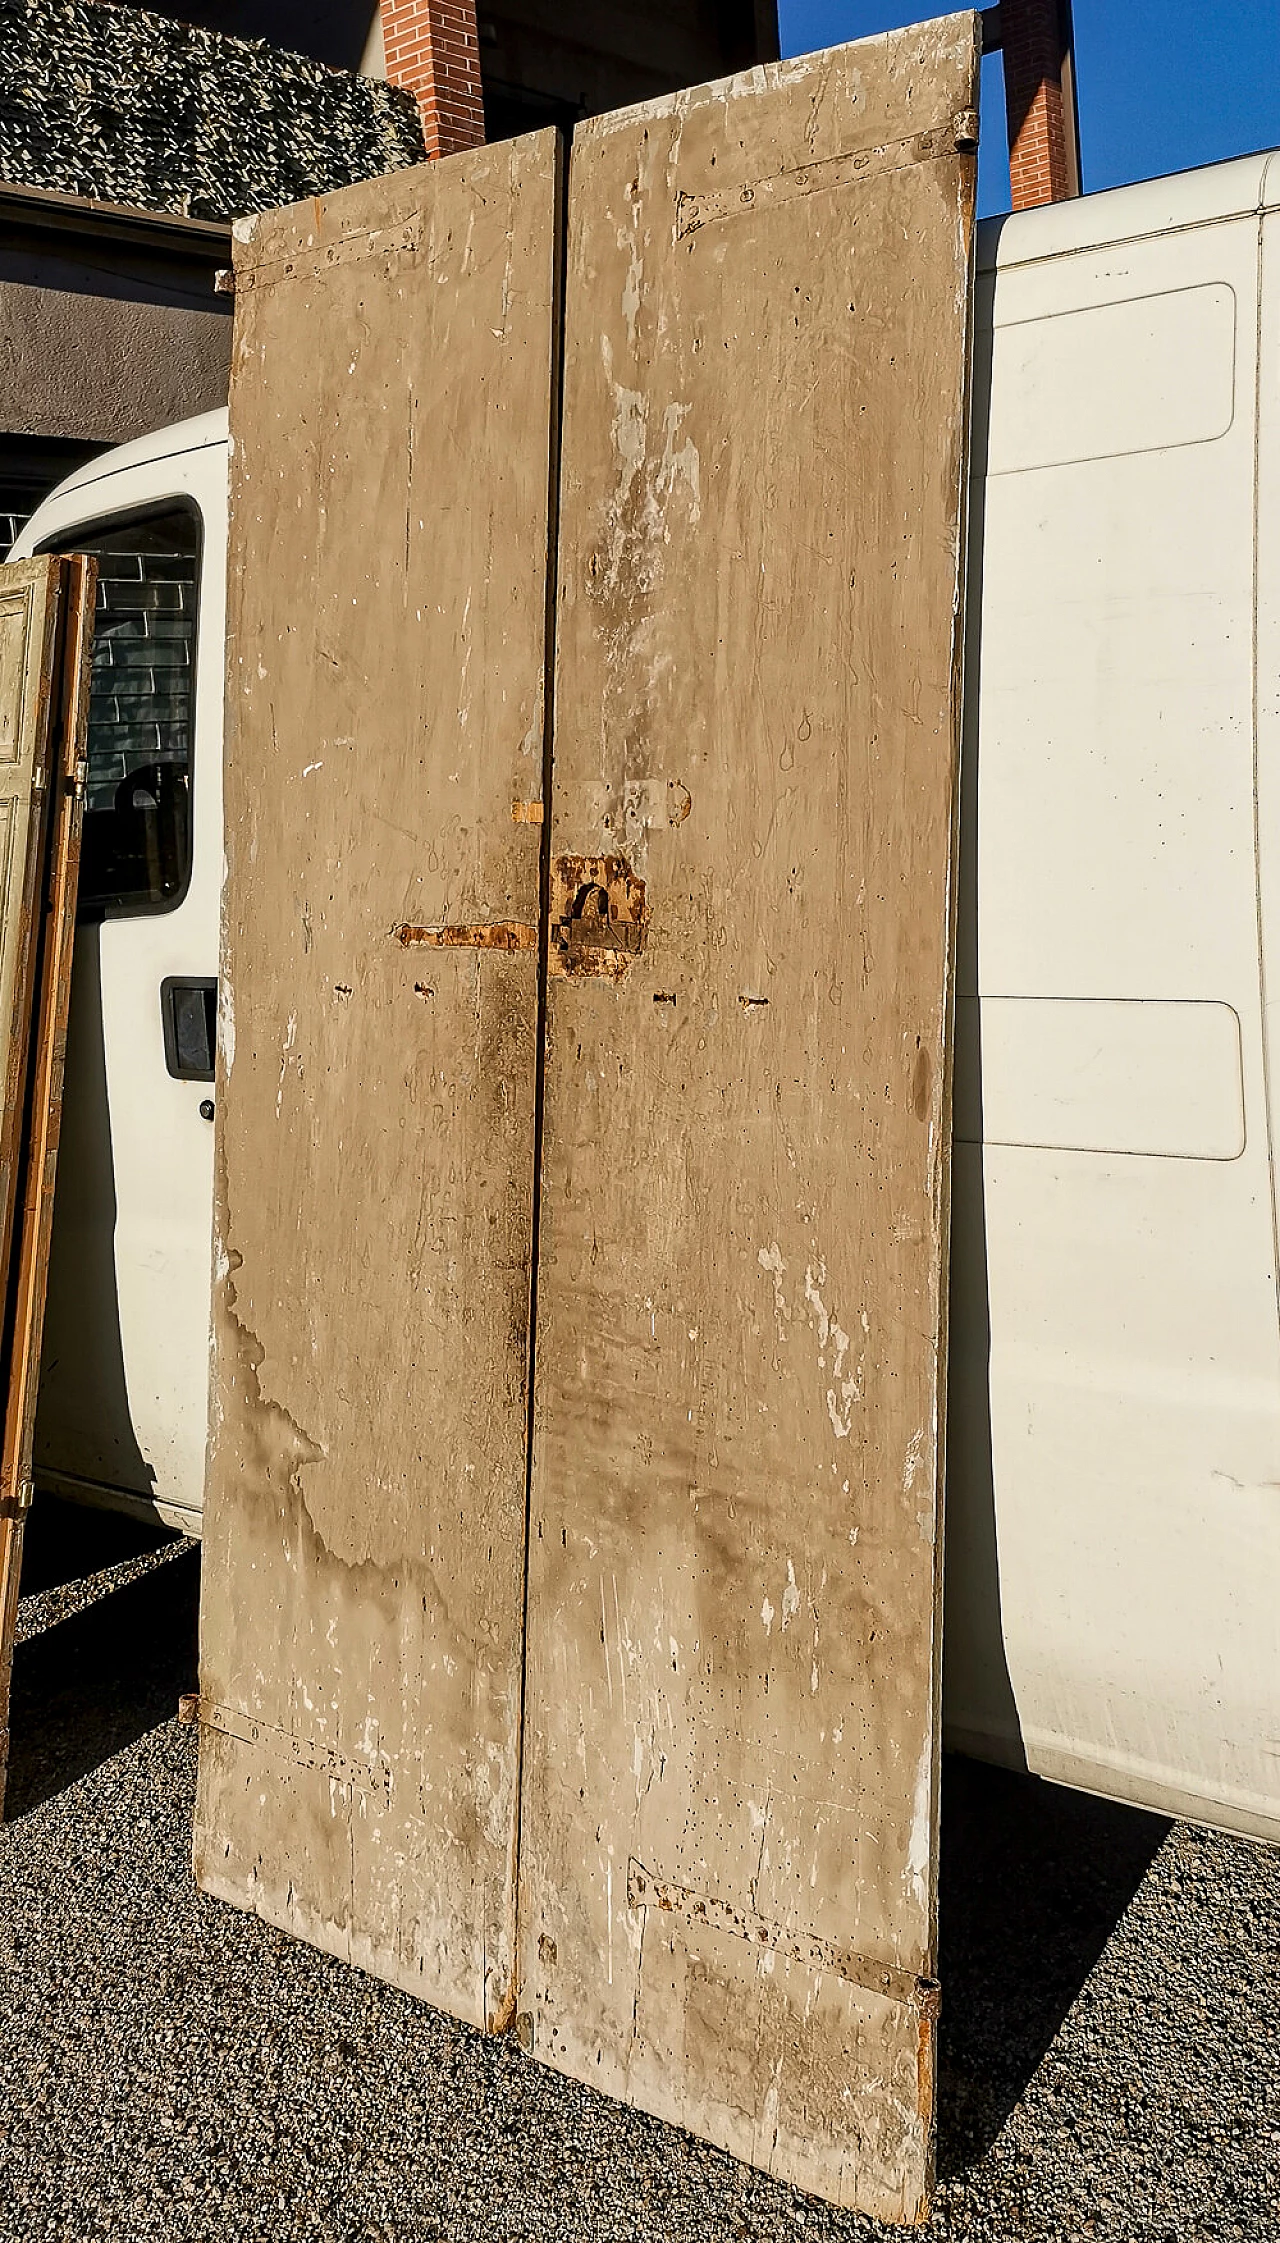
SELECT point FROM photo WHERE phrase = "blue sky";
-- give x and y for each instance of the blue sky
(1163, 84)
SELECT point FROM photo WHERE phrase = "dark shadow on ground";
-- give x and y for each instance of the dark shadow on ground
(1034, 1881)
(92, 1681)
(66, 1542)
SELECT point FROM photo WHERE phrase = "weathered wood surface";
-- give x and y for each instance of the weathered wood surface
(46, 621)
(361, 1628)
(728, 1851)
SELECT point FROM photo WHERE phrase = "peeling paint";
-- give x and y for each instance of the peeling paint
(912, 1460)
(790, 1597)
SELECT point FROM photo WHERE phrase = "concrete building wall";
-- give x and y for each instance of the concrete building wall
(109, 327)
(109, 324)
(100, 369)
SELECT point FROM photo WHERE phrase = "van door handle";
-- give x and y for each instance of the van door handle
(188, 1017)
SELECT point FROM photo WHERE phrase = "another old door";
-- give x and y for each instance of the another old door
(728, 1850)
(46, 612)
(362, 1622)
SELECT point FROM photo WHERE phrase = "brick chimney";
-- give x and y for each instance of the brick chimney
(433, 48)
(1039, 94)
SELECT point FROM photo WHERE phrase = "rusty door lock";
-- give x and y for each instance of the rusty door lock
(592, 926)
(598, 915)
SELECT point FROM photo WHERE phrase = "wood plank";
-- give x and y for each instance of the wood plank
(361, 1625)
(728, 1852)
(28, 1263)
(46, 614)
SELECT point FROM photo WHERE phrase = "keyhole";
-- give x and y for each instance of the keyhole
(591, 903)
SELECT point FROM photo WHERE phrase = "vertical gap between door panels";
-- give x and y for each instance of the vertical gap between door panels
(560, 259)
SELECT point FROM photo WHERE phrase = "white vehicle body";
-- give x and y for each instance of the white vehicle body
(126, 1353)
(1113, 1531)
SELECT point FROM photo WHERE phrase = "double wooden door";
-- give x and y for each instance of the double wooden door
(569, 1638)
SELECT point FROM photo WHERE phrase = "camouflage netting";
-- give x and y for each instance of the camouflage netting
(128, 107)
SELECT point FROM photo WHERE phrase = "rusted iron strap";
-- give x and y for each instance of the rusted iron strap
(944, 139)
(920, 1994)
(311, 260)
(283, 1744)
(508, 934)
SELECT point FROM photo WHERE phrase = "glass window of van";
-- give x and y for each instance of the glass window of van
(136, 853)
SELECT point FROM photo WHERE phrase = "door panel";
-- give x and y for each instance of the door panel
(46, 622)
(727, 1866)
(362, 1604)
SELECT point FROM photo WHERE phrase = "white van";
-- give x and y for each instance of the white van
(1113, 1532)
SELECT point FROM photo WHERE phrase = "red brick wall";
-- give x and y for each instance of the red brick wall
(1035, 38)
(433, 49)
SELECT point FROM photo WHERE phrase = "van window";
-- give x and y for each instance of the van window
(137, 829)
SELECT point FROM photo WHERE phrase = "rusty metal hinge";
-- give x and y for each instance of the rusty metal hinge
(16, 1506)
(498, 934)
(886, 1979)
(847, 169)
(285, 1744)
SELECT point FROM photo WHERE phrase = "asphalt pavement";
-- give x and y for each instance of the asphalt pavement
(173, 2070)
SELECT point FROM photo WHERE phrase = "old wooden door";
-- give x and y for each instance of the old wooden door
(361, 1626)
(46, 614)
(728, 1847)
(726, 1886)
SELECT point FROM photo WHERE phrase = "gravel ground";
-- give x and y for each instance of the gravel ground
(175, 2070)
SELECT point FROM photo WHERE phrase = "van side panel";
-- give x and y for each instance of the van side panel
(1114, 1448)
